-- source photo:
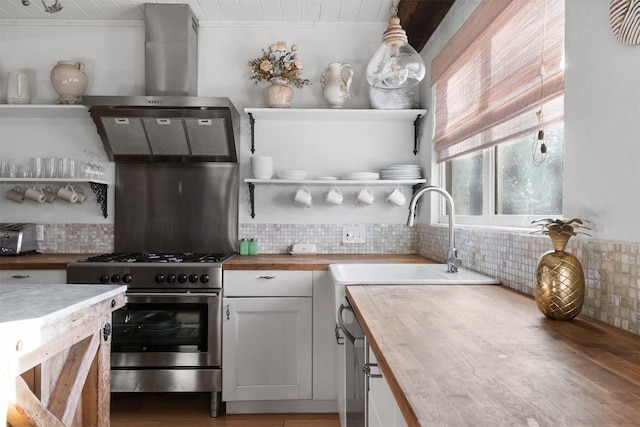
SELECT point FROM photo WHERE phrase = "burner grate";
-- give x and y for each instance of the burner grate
(161, 257)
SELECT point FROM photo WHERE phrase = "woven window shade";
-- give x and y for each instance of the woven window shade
(487, 80)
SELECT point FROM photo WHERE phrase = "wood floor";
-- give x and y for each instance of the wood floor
(192, 410)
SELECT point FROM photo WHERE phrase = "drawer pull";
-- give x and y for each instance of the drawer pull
(267, 277)
(19, 276)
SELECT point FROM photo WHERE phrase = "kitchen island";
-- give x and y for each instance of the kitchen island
(483, 355)
(64, 331)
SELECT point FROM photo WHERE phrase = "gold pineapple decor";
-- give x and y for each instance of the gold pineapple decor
(560, 285)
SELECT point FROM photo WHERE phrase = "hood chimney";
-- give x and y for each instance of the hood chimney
(171, 50)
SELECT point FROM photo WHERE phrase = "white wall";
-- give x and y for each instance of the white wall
(602, 124)
(602, 117)
(114, 57)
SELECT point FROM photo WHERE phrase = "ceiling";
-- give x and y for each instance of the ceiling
(418, 17)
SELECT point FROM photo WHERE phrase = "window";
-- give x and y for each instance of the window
(520, 191)
(497, 82)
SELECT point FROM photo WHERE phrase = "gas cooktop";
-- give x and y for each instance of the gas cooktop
(129, 257)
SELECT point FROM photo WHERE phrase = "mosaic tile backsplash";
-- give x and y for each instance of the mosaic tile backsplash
(612, 269)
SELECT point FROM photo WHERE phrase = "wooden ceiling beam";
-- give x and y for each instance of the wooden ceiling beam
(420, 18)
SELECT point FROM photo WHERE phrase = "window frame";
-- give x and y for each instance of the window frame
(489, 188)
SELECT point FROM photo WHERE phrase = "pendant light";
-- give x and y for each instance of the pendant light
(395, 64)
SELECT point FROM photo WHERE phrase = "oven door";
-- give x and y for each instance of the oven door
(167, 330)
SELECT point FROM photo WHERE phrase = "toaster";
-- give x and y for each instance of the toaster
(16, 239)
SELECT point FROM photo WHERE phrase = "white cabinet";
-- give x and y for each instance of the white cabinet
(44, 277)
(267, 335)
(382, 409)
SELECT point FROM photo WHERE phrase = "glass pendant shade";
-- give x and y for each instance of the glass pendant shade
(395, 64)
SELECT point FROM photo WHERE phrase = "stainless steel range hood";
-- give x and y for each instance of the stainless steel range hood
(170, 123)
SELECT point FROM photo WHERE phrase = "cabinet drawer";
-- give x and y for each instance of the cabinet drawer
(267, 283)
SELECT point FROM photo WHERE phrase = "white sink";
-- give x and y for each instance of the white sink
(405, 274)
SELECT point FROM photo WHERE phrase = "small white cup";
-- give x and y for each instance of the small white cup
(81, 196)
(34, 194)
(334, 196)
(397, 197)
(16, 195)
(303, 197)
(262, 167)
(365, 196)
(68, 194)
(49, 195)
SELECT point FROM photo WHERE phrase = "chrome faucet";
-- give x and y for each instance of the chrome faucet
(453, 262)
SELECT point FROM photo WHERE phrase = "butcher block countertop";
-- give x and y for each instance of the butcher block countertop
(484, 355)
(40, 261)
(237, 262)
(311, 262)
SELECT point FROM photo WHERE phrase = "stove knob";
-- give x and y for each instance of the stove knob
(104, 278)
(171, 278)
(182, 278)
(160, 278)
(115, 278)
(127, 278)
(193, 278)
(205, 278)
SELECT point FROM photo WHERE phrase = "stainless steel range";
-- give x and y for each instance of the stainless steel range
(175, 216)
(168, 336)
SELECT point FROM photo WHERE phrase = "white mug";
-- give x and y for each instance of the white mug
(49, 195)
(397, 197)
(334, 196)
(365, 196)
(303, 197)
(34, 194)
(68, 194)
(16, 195)
(262, 167)
(81, 196)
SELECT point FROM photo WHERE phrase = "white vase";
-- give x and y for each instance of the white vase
(70, 81)
(278, 94)
(336, 82)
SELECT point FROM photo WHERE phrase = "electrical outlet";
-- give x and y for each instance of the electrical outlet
(354, 233)
(40, 232)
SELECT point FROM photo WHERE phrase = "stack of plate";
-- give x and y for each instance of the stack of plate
(401, 172)
(361, 175)
(292, 174)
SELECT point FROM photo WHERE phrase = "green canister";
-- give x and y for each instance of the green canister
(253, 247)
(244, 247)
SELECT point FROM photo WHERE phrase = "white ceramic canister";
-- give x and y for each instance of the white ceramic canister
(70, 81)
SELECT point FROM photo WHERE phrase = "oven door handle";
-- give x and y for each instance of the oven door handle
(174, 294)
(347, 333)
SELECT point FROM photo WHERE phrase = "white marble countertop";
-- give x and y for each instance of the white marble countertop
(30, 302)
(25, 309)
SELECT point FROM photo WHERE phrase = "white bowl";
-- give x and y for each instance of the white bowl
(292, 174)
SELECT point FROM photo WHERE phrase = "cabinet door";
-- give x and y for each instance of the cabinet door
(266, 349)
(382, 409)
(40, 277)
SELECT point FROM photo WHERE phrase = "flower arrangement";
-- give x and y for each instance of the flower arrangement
(278, 62)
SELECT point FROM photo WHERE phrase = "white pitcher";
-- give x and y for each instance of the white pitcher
(18, 89)
(336, 81)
